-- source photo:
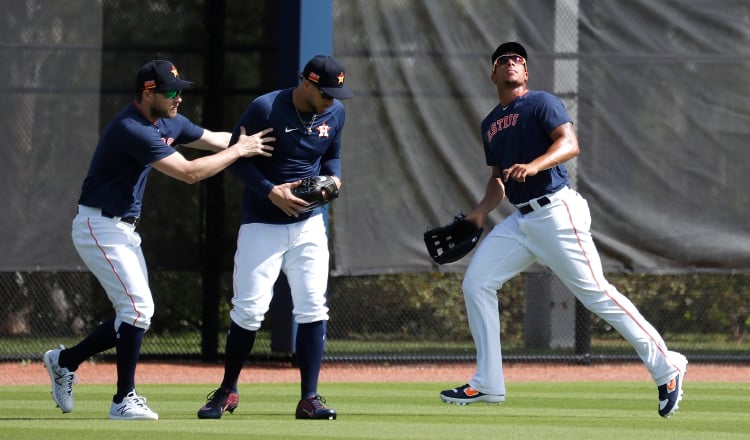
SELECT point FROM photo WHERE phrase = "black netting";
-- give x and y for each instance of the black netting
(662, 165)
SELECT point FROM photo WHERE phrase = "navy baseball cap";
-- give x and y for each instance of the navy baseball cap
(160, 76)
(511, 47)
(329, 75)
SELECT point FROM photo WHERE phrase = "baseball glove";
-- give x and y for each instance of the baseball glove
(451, 242)
(317, 191)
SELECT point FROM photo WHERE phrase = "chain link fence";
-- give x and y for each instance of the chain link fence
(382, 318)
(396, 318)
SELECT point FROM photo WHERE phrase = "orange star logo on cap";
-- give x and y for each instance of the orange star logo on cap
(174, 71)
(341, 78)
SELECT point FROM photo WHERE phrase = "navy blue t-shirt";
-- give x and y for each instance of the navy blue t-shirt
(519, 134)
(297, 153)
(116, 179)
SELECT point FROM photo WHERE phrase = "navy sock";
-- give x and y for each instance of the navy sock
(239, 345)
(310, 344)
(129, 340)
(102, 338)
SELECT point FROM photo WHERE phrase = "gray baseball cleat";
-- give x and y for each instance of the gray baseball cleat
(62, 380)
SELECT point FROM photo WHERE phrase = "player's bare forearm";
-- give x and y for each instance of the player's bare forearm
(494, 194)
(217, 141)
(193, 171)
(213, 141)
(563, 148)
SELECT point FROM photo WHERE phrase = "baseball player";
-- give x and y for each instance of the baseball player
(277, 234)
(527, 138)
(140, 138)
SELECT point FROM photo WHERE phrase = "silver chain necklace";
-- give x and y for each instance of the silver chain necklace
(308, 125)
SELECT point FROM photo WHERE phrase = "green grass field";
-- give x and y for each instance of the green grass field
(548, 410)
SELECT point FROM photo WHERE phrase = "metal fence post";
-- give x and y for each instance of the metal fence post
(549, 312)
(213, 187)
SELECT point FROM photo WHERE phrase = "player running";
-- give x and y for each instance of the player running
(528, 137)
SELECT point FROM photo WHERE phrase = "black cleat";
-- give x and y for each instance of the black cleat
(313, 408)
(465, 395)
(219, 400)
(670, 394)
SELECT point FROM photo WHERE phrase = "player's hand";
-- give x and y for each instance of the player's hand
(254, 145)
(282, 197)
(519, 172)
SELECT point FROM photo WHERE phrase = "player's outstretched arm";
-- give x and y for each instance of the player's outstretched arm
(219, 140)
(192, 171)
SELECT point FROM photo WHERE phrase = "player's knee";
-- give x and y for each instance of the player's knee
(247, 321)
(471, 286)
(474, 286)
(136, 321)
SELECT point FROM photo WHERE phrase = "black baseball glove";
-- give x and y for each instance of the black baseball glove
(317, 191)
(451, 242)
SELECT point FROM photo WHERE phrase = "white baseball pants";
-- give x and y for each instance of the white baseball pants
(111, 249)
(558, 236)
(299, 249)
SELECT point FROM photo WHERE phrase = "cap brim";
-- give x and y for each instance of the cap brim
(338, 92)
(176, 85)
(508, 47)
